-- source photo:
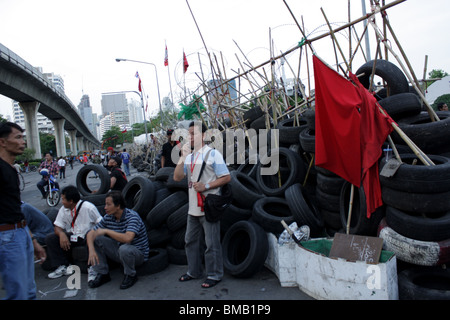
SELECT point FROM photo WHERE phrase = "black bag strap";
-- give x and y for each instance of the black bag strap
(203, 165)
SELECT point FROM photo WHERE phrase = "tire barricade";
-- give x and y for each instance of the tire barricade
(414, 221)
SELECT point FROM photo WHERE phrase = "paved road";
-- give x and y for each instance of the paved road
(160, 286)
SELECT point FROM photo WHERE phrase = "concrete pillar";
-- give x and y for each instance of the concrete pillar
(73, 141)
(80, 141)
(30, 110)
(58, 124)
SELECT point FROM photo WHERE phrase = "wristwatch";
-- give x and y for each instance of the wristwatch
(207, 186)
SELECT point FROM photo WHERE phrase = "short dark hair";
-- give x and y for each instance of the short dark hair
(199, 125)
(6, 128)
(440, 105)
(117, 198)
(71, 193)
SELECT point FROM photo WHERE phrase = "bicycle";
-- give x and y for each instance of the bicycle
(52, 193)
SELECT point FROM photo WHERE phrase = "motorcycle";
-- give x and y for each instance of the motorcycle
(52, 193)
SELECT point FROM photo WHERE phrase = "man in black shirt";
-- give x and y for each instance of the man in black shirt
(166, 155)
(17, 247)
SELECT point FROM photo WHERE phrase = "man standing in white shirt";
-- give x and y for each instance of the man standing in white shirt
(62, 168)
(214, 176)
(75, 218)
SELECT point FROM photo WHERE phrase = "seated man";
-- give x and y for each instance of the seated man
(74, 220)
(121, 236)
(39, 224)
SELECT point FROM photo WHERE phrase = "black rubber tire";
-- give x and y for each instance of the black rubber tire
(419, 178)
(159, 237)
(104, 178)
(251, 115)
(418, 226)
(139, 195)
(176, 256)
(289, 160)
(268, 213)
(327, 201)
(177, 238)
(394, 77)
(158, 260)
(260, 123)
(360, 224)
(178, 219)
(159, 214)
(233, 214)
(304, 210)
(401, 105)
(164, 173)
(307, 139)
(289, 133)
(95, 199)
(246, 191)
(330, 185)
(177, 185)
(424, 283)
(416, 202)
(430, 137)
(245, 248)
(332, 219)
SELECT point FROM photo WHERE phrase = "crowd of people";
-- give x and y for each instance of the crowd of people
(120, 235)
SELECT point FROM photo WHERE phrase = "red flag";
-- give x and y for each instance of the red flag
(350, 131)
(166, 58)
(185, 62)
(139, 85)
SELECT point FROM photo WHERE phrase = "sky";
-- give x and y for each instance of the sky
(80, 40)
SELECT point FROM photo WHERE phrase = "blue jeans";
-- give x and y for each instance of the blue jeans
(199, 232)
(126, 166)
(39, 224)
(17, 264)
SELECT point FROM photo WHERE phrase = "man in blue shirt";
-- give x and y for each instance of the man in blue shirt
(121, 236)
(126, 161)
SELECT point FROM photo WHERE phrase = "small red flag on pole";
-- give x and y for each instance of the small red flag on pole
(185, 62)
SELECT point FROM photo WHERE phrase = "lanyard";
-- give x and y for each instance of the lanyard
(73, 214)
(193, 163)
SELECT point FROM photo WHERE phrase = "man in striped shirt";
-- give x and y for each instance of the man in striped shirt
(121, 236)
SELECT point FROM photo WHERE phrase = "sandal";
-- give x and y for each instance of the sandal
(209, 283)
(185, 278)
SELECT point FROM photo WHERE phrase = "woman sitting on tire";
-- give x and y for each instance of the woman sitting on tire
(118, 178)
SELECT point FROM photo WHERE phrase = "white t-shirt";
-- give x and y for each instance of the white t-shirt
(214, 169)
(61, 162)
(87, 218)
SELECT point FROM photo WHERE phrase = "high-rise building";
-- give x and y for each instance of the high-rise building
(114, 103)
(85, 109)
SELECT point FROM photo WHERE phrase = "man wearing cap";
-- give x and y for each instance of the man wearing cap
(118, 178)
(166, 156)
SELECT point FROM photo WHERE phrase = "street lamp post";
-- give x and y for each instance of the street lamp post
(157, 83)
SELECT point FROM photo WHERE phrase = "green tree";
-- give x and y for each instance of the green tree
(444, 98)
(48, 143)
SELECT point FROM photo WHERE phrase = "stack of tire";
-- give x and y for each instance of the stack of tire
(417, 223)
(261, 202)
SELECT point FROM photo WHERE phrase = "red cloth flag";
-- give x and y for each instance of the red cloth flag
(185, 62)
(350, 130)
(139, 85)
(166, 58)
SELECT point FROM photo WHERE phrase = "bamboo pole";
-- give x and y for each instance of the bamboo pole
(350, 207)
